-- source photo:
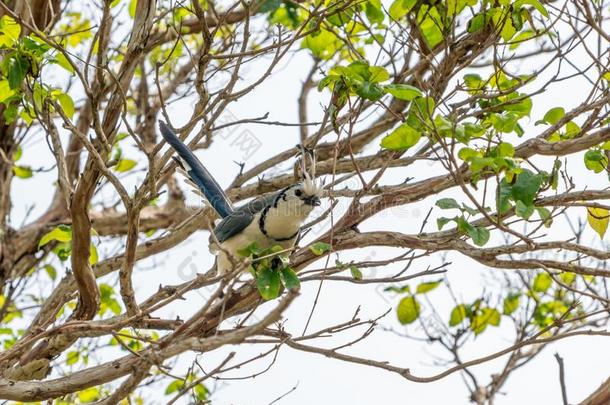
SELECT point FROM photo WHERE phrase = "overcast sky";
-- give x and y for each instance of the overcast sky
(318, 379)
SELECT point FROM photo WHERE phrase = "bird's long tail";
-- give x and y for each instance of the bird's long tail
(198, 173)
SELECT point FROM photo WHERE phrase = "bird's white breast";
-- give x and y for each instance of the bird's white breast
(252, 233)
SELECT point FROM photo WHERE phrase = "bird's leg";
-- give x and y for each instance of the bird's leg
(276, 263)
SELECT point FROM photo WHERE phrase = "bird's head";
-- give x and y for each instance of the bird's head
(299, 199)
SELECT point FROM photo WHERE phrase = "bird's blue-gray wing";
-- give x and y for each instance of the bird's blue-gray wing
(232, 225)
(199, 174)
(240, 218)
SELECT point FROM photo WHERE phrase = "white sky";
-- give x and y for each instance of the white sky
(322, 380)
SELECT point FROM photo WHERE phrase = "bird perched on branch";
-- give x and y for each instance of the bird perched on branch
(272, 220)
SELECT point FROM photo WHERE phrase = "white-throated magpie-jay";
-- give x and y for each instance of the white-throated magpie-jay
(272, 220)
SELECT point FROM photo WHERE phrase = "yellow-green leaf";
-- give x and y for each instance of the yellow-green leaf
(9, 31)
(66, 103)
(401, 138)
(132, 8)
(62, 61)
(457, 315)
(23, 172)
(62, 233)
(423, 288)
(399, 8)
(5, 90)
(403, 91)
(72, 357)
(89, 395)
(319, 248)
(598, 220)
(542, 282)
(125, 165)
(511, 303)
(93, 257)
(553, 115)
(407, 310)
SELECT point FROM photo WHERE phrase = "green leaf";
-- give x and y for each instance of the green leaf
(511, 303)
(493, 316)
(62, 233)
(522, 107)
(398, 290)
(251, 250)
(115, 307)
(63, 251)
(596, 160)
(553, 115)
(479, 235)
(51, 272)
(319, 248)
(374, 12)
(269, 6)
(377, 74)
(401, 138)
(447, 203)
(72, 357)
(526, 187)
(488, 316)
(572, 129)
(61, 60)
(356, 273)
(431, 25)
(545, 216)
(441, 222)
(201, 392)
(424, 287)
(473, 81)
(93, 256)
(17, 69)
(17, 154)
(476, 23)
(567, 277)
(268, 283)
(400, 8)
(5, 90)
(403, 91)
(598, 219)
(505, 149)
(523, 211)
(420, 112)
(132, 8)
(23, 172)
(369, 91)
(408, 310)
(289, 279)
(67, 104)
(106, 292)
(89, 395)
(9, 31)
(457, 315)
(322, 45)
(542, 282)
(468, 153)
(125, 165)
(535, 3)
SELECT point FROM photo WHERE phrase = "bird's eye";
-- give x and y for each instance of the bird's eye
(298, 193)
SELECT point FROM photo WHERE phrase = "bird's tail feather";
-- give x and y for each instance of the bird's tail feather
(198, 173)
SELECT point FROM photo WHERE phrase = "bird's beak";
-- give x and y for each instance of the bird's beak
(313, 200)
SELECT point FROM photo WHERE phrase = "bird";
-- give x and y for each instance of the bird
(275, 219)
